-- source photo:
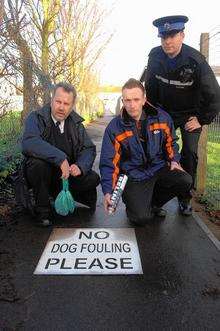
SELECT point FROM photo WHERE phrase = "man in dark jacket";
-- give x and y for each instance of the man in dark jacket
(141, 143)
(180, 80)
(55, 144)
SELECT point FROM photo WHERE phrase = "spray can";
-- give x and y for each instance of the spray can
(116, 195)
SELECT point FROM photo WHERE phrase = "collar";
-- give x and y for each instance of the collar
(45, 112)
(143, 116)
(61, 125)
(148, 110)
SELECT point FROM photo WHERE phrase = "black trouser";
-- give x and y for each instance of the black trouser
(140, 197)
(45, 179)
(189, 157)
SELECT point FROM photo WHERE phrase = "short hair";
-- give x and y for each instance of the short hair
(133, 83)
(66, 87)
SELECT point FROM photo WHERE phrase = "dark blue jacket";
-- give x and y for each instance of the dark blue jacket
(187, 89)
(36, 141)
(122, 151)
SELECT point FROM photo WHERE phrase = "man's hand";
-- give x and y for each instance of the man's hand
(192, 124)
(65, 168)
(75, 170)
(107, 201)
(175, 166)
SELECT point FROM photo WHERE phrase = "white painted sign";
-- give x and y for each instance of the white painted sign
(92, 251)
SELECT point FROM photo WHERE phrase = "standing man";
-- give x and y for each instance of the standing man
(55, 145)
(141, 143)
(180, 80)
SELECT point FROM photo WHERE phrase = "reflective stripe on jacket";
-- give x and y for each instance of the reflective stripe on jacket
(187, 89)
(122, 151)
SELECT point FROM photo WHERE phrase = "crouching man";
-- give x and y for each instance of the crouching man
(141, 143)
(56, 145)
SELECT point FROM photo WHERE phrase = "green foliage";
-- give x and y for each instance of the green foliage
(212, 193)
(9, 125)
(211, 198)
(179, 141)
(110, 89)
(204, 200)
(89, 106)
(213, 157)
(214, 133)
(10, 154)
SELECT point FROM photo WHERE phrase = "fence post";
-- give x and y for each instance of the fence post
(1, 10)
(202, 147)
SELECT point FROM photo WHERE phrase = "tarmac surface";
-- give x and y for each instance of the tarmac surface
(179, 288)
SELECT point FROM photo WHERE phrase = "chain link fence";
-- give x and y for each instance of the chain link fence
(212, 187)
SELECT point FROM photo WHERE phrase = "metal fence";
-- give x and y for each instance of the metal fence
(212, 187)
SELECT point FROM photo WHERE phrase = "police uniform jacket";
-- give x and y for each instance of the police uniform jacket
(38, 142)
(188, 88)
(122, 151)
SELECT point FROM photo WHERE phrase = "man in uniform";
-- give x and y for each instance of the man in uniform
(180, 80)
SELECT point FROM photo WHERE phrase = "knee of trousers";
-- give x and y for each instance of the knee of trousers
(94, 179)
(38, 167)
(190, 153)
(185, 181)
(140, 218)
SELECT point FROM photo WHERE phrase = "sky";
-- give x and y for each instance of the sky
(134, 34)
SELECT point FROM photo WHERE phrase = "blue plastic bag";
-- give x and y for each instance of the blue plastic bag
(64, 203)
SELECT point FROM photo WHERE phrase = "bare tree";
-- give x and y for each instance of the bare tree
(17, 53)
(81, 22)
(43, 41)
(43, 17)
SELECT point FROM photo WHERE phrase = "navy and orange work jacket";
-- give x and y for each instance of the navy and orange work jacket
(122, 151)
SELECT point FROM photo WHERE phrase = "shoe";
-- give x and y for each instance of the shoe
(91, 201)
(185, 208)
(44, 222)
(92, 209)
(159, 212)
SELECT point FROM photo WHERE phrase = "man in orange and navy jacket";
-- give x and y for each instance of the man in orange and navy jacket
(141, 143)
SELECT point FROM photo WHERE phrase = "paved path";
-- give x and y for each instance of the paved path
(178, 290)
